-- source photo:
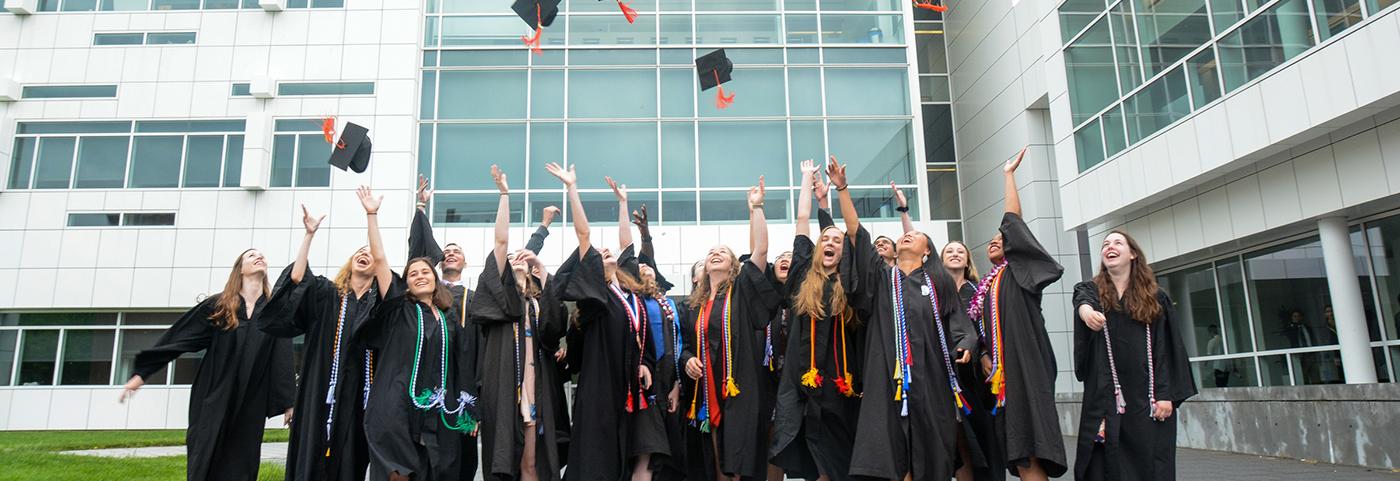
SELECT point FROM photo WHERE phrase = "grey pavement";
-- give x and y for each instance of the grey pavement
(1191, 464)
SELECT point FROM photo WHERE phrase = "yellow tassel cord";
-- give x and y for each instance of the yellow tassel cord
(847, 388)
(731, 389)
(898, 381)
(812, 378)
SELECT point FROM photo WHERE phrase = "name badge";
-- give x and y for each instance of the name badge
(923, 290)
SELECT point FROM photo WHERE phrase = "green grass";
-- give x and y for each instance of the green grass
(29, 455)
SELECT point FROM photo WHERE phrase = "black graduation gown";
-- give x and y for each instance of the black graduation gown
(604, 436)
(1028, 426)
(668, 372)
(1135, 447)
(815, 428)
(699, 460)
(499, 310)
(244, 378)
(421, 243)
(924, 443)
(743, 428)
(323, 446)
(401, 437)
(979, 428)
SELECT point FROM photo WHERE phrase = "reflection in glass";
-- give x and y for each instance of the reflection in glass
(87, 357)
(735, 154)
(589, 96)
(312, 169)
(1383, 236)
(55, 162)
(627, 151)
(1265, 42)
(676, 97)
(610, 29)
(8, 343)
(1274, 370)
(801, 29)
(938, 134)
(1088, 145)
(675, 30)
(862, 29)
(155, 161)
(758, 92)
(678, 155)
(1230, 276)
(1237, 372)
(1077, 14)
(473, 148)
(284, 149)
(463, 31)
(733, 206)
(1170, 30)
(1318, 367)
(877, 204)
(186, 368)
(805, 91)
(203, 156)
(1090, 71)
(22, 161)
(1288, 294)
(547, 94)
(1374, 6)
(1126, 46)
(1156, 106)
(808, 143)
(735, 5)
(737, 29)
(37, 356)
(678, 207)
(1197, 314)
(474, 209)
(942, 192)
(101, 162)
(1204, 74)
(1226, 13)
(934, 88)
(867, 91)
(1114, 135)
(877, 152)
(933, 55)
(860, 5)
(546, 145)
(601, 207)
(482, 94)
(1334, 16)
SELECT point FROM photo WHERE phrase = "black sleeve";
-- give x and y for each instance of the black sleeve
(370, 333)
(283, 378)
(802, 249)
(193, 332)
(420, 239)
(581, 280)
(497, 298)
(294, 306)
(1084, 293)
(1033, 266)
(554, 317)
(688, 349)
(759, 297)
(1175, 381)
(824, 219)
(863, 279)
(536, 242)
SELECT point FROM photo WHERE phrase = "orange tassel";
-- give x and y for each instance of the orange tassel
(328, 130)
(929, 5)
(533, 42)
(627, 11)
(722, 101)
(629, 401)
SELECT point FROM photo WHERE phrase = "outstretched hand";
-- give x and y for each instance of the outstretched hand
(1011, 165)
(899, 198)
(549, 214)
(567, 176)
(619, 190)
(425, 194)
(129, 390)
(837, 173)
(756, 194)
(819, 190)
(368, 200)
(639, 217)
(500, 178)
(310, 222)
(809, 167)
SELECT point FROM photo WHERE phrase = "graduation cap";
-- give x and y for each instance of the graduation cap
(353, 148)
(627, 11)
(714, 69)
(537, 14)
(929, 5)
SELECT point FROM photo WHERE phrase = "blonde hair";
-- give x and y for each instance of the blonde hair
(225, 316)
(702, 290)
(810, 299)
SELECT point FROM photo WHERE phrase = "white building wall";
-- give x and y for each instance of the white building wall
(997, 55)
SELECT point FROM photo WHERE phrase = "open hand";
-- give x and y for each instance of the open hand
(837, 173)
(639, 217)
(568, 176)
(619, 190)
(1011, 165)
(899, 198)
(500, 178)
(756, 194)
(311, 223)
(549, 214)
(129, 390)
(425, 194)
(368, 200)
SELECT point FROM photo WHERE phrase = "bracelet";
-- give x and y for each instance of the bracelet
(646, 238)
(755, 206)
(841, 188)
(904, 209)
(371, 213)
(421, 204)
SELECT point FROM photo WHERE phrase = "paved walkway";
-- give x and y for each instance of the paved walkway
(1192, 464)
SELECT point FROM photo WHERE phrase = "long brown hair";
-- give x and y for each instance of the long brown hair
(701, 293)
(225, 316)
(810, 294)
(970, 272)
(1140, 298)
(342, 278)
(442, 297)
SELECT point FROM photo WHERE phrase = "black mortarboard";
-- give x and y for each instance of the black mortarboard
(714, 69)
(536, 13)
(353, 149)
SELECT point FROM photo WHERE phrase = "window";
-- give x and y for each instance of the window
(1168, 31)
(8, 339)
(69, 91)
(300, 159)
(170, 38)
(118, 39)
(94, 220)
(942, 192)
(133, 341)
(38, 356)
(240, 90)
(87, 357)
(1265, 42)
(114, 219)
(106, 155)
(1160, 104)
(1090, 71)
(325, 88)
(148, 219)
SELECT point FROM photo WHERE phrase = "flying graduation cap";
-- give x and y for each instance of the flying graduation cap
(714, 69)
(627, 11)
(929, 5)
(537, 14)
(352, 150)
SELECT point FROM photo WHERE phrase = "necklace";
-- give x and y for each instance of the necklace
(434, 399)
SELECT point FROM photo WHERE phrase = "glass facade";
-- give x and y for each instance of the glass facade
(125, 154)
(1264, 317)
(1135, 67)
(162, 5)
(935, 101)
(811, 79)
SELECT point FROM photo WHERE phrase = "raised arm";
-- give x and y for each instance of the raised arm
(837, 173)
(624, 227)
(536, 242)
(1013, 197)
(903, 203)
(639, 219)
(498, 249)
(420, 233)
(758, 226)
(570, 180)
(382, 273)
(804, 200)
(311, 223)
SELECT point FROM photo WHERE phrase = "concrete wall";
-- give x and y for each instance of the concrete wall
(1340, 424)
(996, 56)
